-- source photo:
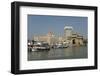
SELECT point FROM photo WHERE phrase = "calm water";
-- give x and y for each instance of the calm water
(64, 53)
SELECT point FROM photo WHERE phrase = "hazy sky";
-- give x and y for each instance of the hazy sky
(42, 24)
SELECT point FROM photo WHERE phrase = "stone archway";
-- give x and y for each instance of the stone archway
(73, 41)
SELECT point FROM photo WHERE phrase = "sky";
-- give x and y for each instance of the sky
(42, 24)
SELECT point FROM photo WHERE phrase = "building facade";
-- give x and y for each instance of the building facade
(76, 40)
(49, 38)
(67, 31)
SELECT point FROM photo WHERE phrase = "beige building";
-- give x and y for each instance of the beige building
(76, 40)
(49, 38)
(71, 37)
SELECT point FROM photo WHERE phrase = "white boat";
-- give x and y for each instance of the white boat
(40, 46)
(61, 45)
(33, 49)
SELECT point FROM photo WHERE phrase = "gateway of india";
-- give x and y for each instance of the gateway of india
(69, 37)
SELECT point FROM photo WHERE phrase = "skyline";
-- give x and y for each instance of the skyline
(42, 24)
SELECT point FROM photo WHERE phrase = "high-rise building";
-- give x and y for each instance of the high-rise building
(68, 31)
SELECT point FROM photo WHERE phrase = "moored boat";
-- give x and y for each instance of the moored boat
(40, 46)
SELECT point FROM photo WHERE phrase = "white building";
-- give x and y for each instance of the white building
(68, 31)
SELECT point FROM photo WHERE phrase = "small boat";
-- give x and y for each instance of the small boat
(61, 46)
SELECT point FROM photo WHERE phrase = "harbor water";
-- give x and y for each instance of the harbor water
(61, 53)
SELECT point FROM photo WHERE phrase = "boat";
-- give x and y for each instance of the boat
(60, 46)
(40, 46)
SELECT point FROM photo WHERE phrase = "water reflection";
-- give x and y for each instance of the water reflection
(65, 53)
